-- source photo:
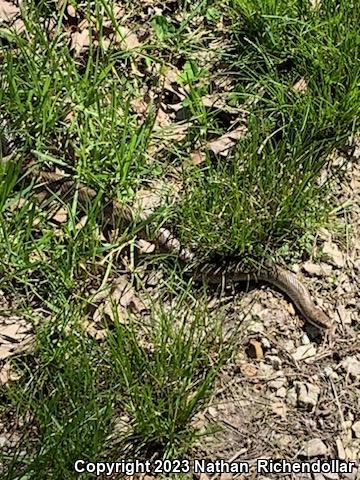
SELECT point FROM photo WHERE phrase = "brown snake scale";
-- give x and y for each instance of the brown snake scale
(274, 275)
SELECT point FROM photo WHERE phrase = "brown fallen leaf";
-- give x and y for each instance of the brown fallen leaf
(144, 246)
(115, 302)
(248, 370)
(7, 374)
(61, 215)
(197, 157)
(118, 11)
(255, 349)
(8, 11)
(13, 332)
(80, 41)
(146, 201)
(5, 351)
(18, 26)
(126, 39)
(222, 145)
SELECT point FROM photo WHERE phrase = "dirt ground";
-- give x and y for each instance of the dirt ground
(294, 393)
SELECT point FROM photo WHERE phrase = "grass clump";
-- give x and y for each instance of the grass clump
(166, 375)
(74, 394)
(62, 402)
(296, 69)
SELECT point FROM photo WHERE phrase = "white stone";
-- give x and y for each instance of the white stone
(356, 429)
(308, 394)
(315, 447)
(304, 351)
(352, 366)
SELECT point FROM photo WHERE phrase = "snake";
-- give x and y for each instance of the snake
(211, 273)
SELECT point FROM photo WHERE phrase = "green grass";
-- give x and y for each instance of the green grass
(261, 200)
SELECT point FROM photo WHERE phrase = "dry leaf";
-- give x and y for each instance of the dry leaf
(146, 201)
(15, 337)
(197, 157)
(13, 332)
(118, 12)
(5, 351)
(71, 11)
(7, 374)
(300, 86)
(126, 39)
(144, 246)
(115, 302)
(279, 408)
(256, 349)
(80, 41)
(18, 26)
(61, 215)
(8, 11)
(248, 370)
(162, 120)
(222, 145)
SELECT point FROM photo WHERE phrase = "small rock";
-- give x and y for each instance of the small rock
(356, 429)
(226, 476)
(352, 454)
(308, 394)
(291, 397)
(279, 408)
(340, 449)
(353, 475)
(315, 447)
(275, 361)
(344, 315)
(330, 373)
(352, 366)
(319, 476)
(266, 370)
(304, 351)
(256, 326)
(277, 383)
(331, 476)
(281, 392)
(318, 270)
(333, 255)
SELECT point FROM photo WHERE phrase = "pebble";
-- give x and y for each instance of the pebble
(308, 394)
(340, 449)
(352, 366)
(304, 351)
(318, 270)
(277, 383)
(331, 476)
(291, 397)
(281, 392)
(315, 447)
(275, 361)
(356, 429)
(333, 255)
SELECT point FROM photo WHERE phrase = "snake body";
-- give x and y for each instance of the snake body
(275, 275)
